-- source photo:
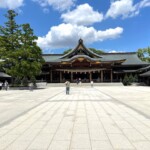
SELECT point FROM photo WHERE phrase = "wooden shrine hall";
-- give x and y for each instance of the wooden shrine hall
(83, 63)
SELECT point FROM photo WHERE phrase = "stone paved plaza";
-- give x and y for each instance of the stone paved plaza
(99, 118)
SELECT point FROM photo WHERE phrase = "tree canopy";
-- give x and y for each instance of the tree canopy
(97, 51)
(22, 57)
(67, 51)
(144, 54)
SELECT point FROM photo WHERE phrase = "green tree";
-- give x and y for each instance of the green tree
(9, 42)
(144, 54)
(67, 51)
(30, 54)
(135, 78)
(23, 58)
(131, 79)
(126, 80)
(96, 51)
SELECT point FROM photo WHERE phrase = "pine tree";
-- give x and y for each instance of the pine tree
(23, 58)
(9, 42)
(30, 54)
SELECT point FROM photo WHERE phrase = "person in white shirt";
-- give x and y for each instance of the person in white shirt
(67, 83)
(92, 83)
(1, 84)
(6, 85)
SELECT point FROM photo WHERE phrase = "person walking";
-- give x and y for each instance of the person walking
(77, 81)
(92, 83)
(6, 85)
(80, 81)
(67, 83)
(31, 86)
(1, 85)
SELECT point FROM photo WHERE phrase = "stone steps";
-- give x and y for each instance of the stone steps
(86, 84)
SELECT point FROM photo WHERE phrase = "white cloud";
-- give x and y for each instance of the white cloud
(59, 5)
(67, 35)
(120, 8)
(11, 4)
(144, 3)
(82, 15)
(126, 8)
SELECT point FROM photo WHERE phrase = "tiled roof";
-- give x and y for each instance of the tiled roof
(51, 58)
(130, 58)
(146, 74)
(4, 75)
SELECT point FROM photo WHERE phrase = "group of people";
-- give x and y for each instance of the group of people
(67, 83)
(78, 81)
(4, 85)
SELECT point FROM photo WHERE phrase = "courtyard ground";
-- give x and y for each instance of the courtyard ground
(99, 118)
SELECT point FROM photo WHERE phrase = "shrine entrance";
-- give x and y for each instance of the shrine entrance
(97, 75)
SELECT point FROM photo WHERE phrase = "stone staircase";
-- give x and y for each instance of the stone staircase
(85, 84)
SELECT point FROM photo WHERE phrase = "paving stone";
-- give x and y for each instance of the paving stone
(42, 141)
(59, 145)
(142, 145)
(119, 141)
(89, 118)
(80, 129)
(133, 135)
(101, 145)
(80, 141)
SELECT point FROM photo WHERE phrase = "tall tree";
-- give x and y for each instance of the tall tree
(30, 54)
(9, 42)
(23, 58)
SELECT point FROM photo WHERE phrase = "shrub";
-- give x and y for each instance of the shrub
(33, 80)
(25, 81)
(135, 78)
(17, 82)
(131, 79)
(126, 80)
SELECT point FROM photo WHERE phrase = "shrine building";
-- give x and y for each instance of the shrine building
(83, 63)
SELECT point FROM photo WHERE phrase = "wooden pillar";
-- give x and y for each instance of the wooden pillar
(102, 76)
(117, 77)
(60, 77)
(111, 76)
(90, 76)
(71, 76)
(51, 76)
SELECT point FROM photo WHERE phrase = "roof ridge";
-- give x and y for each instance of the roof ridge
(122, 53)
(52, 54)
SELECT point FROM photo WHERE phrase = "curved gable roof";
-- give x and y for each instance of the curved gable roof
(80, 49)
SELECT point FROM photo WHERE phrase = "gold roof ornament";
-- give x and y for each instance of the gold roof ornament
(80, 59)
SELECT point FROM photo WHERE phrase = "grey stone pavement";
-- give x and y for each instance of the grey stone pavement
(99, 118)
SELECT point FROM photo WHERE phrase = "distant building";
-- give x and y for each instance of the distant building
(84, 64)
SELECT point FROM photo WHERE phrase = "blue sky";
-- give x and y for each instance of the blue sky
(110, 25)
